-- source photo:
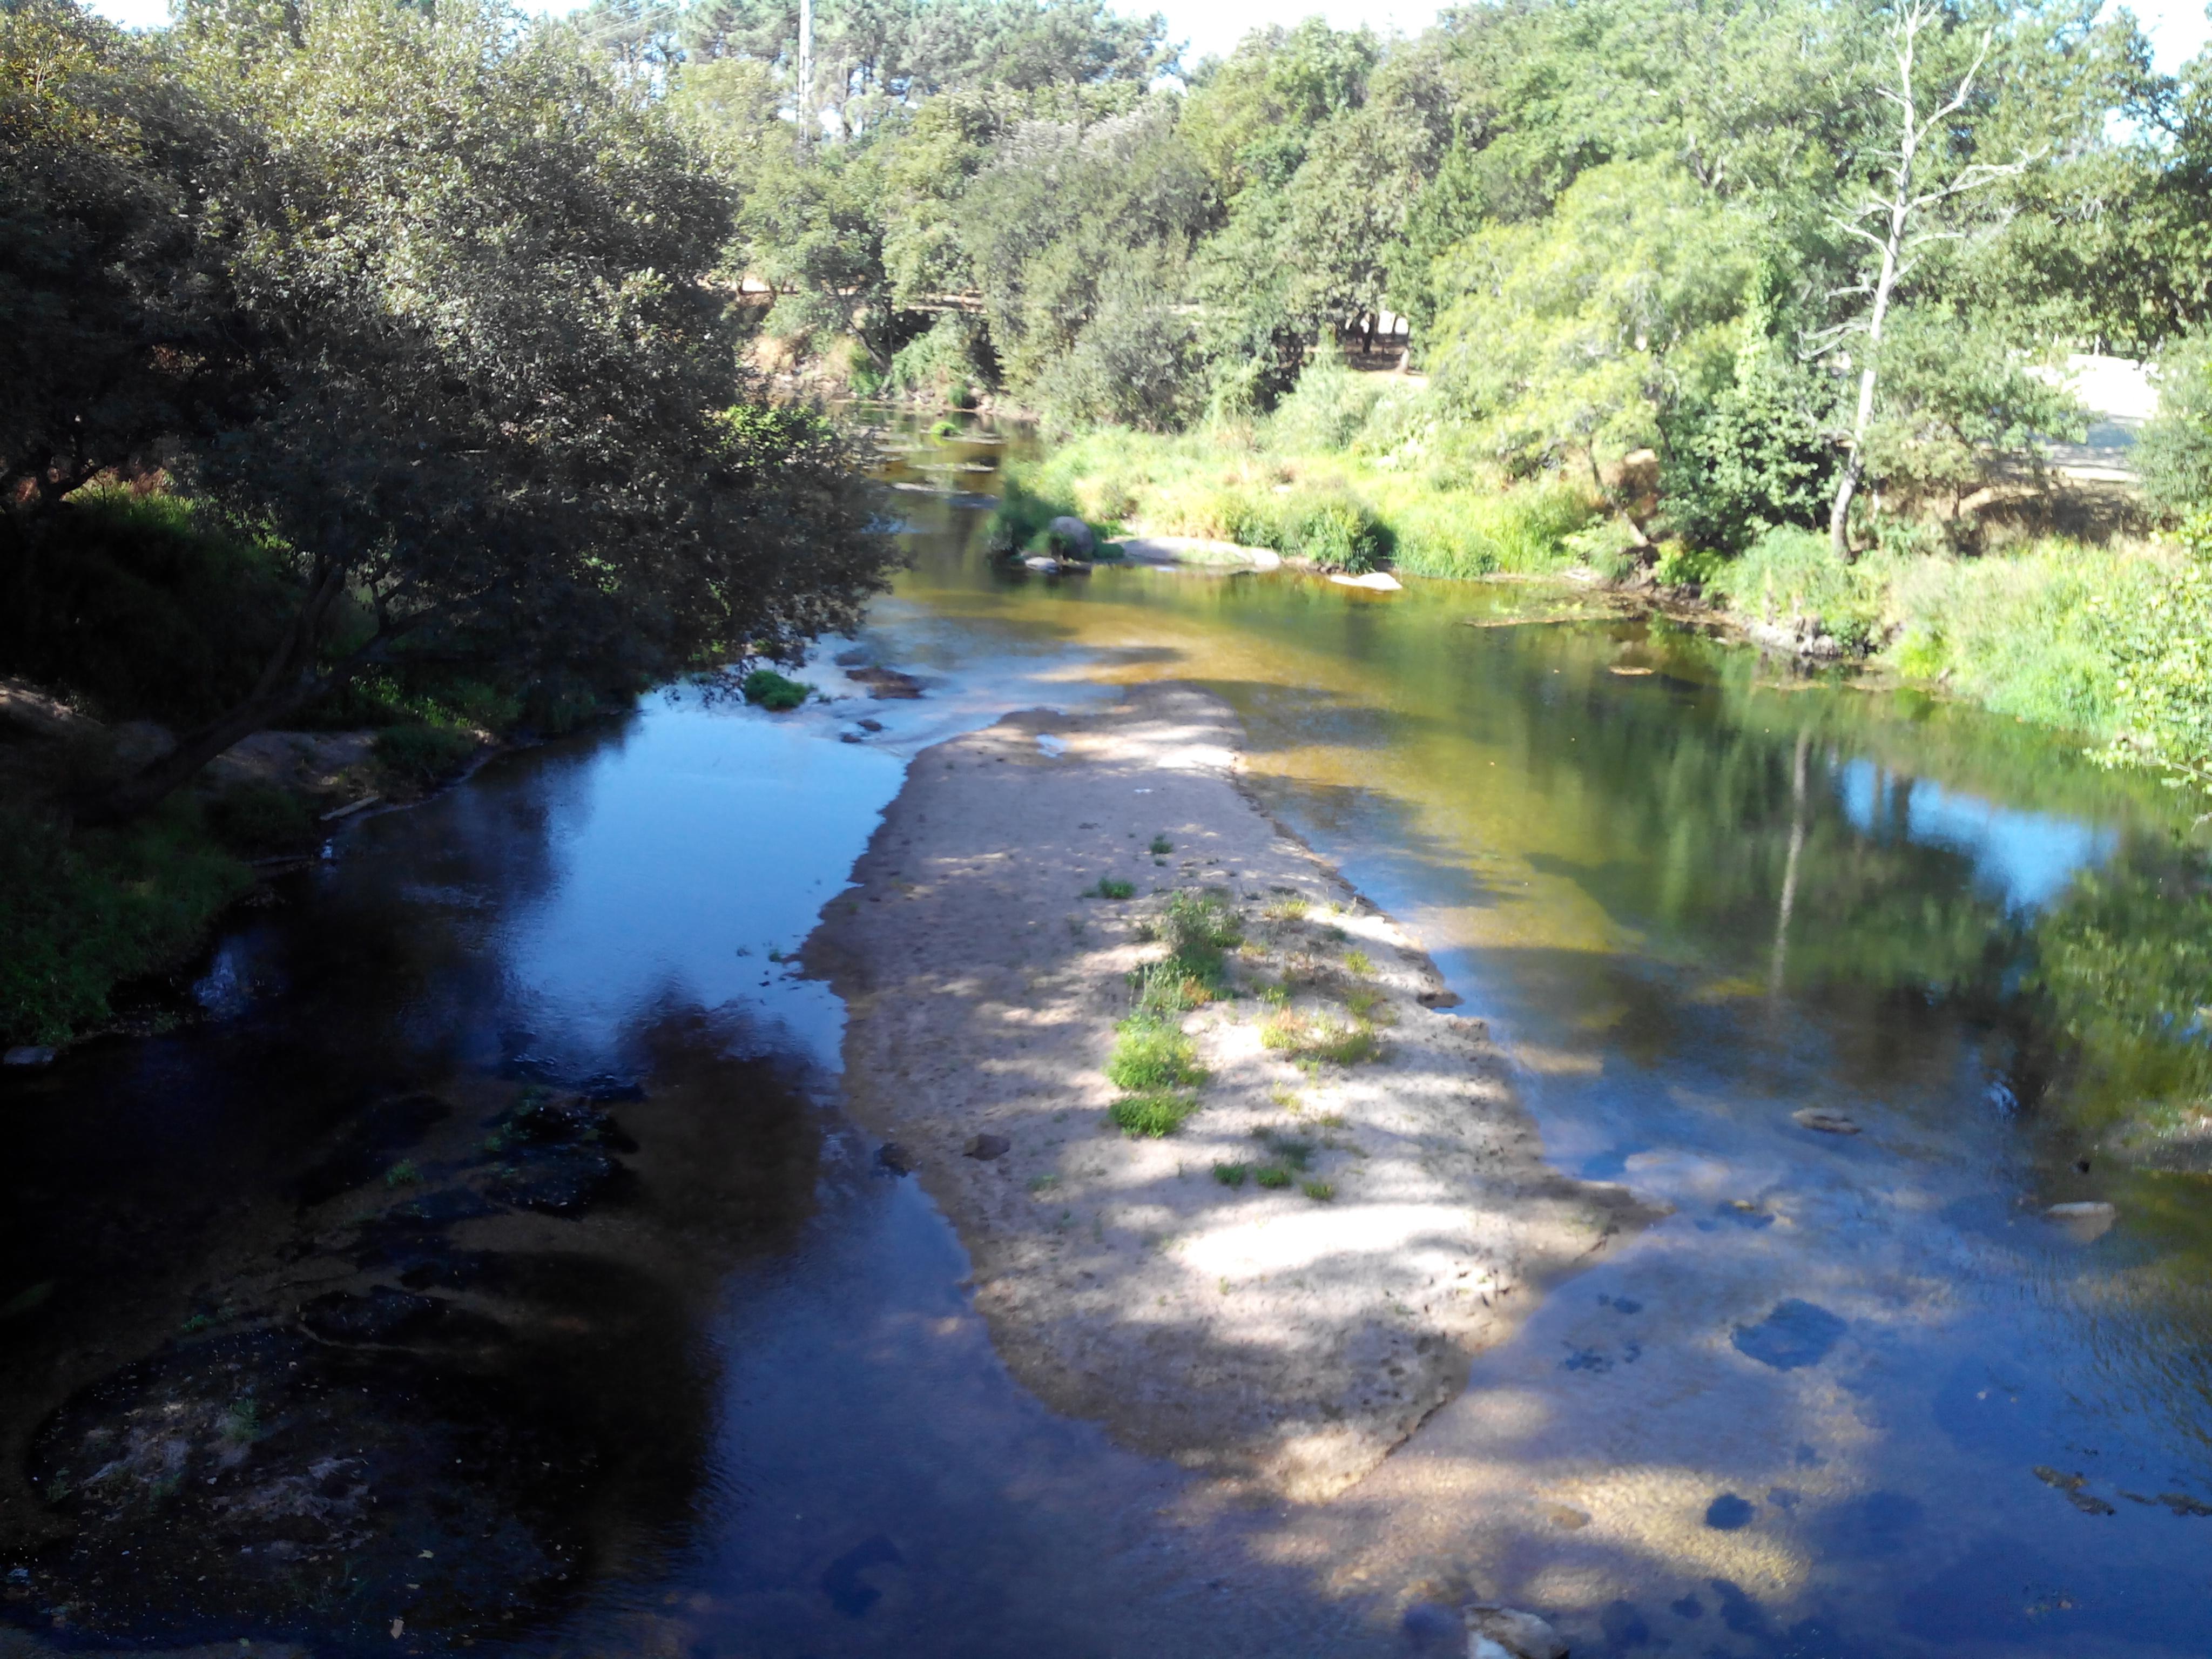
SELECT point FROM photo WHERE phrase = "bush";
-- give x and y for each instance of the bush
(1109, 887)
(424, 754)
(261, 818)
(772, 692)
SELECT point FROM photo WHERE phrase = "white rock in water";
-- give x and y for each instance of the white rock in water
(28, 1055)
(1377, 582)
(2085, 1223)
(1041, 561)
(1519, 1635)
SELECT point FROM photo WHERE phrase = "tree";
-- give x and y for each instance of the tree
(501, 418)
(1907, 211)
(1579, 331)
(119, 328)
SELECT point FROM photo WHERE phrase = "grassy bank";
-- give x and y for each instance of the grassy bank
(129, 604)
(2107, 640)
(1348, 472)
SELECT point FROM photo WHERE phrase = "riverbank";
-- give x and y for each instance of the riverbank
(84, 912)
(1281, 1290)
(2097, 632)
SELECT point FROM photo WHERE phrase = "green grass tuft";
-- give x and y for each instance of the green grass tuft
(1153, 1113)
(1231, 1175)
(1110, 887)
(1150, 1054)
(1270, 1175)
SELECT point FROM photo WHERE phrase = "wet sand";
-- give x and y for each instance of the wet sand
(1283, 1338)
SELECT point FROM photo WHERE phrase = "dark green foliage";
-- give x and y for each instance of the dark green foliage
(1754, 457)
(1110, 888)
(769, 689)
(1231, 1175)
(421, 756)
(419, 299)
(140, 604)
(82, 910)
(261, 818)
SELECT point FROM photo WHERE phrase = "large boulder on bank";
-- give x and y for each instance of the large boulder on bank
(1071, 537)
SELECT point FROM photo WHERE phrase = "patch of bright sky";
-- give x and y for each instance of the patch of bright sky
(2178, 29)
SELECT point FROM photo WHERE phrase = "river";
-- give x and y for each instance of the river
(1856, 1394)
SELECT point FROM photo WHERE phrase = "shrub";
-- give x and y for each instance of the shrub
(1154, 1113)
(424, 754)
(772, 692)
(1150, 1054)
(1110, 888)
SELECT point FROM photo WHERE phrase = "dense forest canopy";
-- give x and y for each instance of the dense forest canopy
(415, 309)
(1611, 226)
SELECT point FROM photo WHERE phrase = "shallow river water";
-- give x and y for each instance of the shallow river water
(1854, 1395)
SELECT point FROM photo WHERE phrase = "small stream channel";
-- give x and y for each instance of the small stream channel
(684, 1371)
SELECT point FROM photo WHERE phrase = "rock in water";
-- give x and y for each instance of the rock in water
(988, 1147)
(2084, 1223)
(1374, 581)
(895, 1158)
(1492, 1629)
(1828, 1123)
(29, 1055)
(1072, 536)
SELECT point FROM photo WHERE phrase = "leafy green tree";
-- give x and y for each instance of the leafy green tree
(118, 309)
(1060, 209)
(1577, 333)
(500, 419)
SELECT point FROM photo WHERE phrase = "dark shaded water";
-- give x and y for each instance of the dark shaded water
(709, 1375)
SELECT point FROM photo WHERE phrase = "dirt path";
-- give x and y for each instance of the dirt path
(1288, 1334)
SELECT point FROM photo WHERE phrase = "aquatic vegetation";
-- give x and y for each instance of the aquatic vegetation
(766, 689)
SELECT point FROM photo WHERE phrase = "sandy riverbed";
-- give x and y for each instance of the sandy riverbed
(1278, 1337)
